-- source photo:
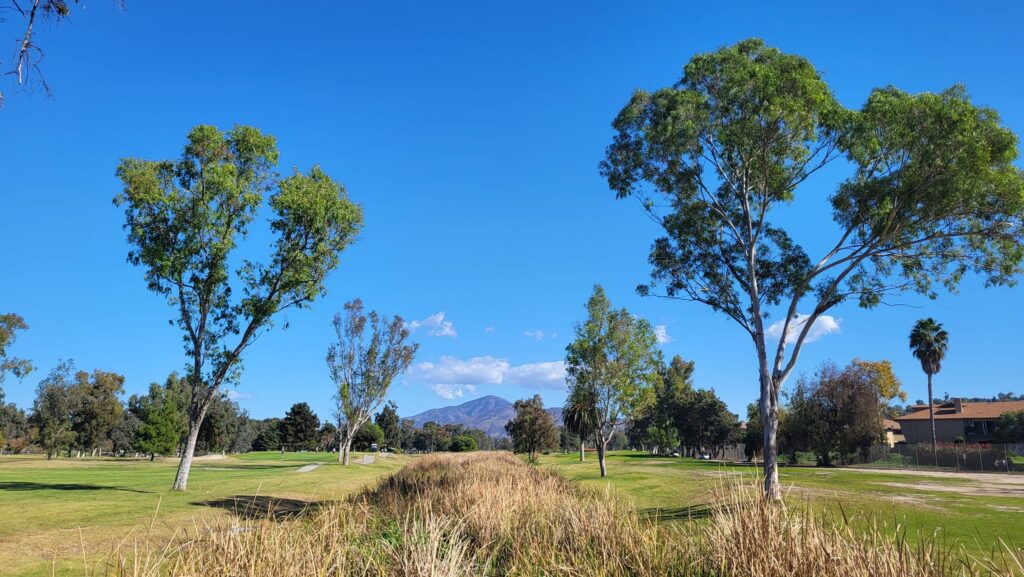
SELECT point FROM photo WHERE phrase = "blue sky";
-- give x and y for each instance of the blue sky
(470, 132)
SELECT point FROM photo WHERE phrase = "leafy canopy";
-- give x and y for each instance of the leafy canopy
(929, 342)
(185, 217)
(933, 192)
(612, 365)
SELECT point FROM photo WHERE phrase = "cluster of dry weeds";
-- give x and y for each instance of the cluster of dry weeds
(491, 514)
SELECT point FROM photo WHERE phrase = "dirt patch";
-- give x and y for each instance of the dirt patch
(987, 490)
(308, 468)
(1000, 478)
(212, 457)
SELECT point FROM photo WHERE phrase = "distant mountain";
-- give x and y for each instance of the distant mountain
(488, 414)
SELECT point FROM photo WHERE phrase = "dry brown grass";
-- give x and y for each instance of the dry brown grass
(491, 514)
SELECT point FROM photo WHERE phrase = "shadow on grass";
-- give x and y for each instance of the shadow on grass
(264, 507)
(32, 486)
(688, 513)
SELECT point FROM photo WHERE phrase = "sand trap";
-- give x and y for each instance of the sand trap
(366, 460)
(308, 468)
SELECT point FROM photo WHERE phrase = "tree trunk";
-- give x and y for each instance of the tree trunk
(601, 445)
(770, 419)
(345, 450)
(583, 448)
(185, 465)
(931, 419)
(181, 480)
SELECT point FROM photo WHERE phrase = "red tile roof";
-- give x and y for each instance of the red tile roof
(971, 411)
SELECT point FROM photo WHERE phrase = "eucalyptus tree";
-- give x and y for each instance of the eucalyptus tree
(614, 361)
(928, 343)
(10, 325)
(370, 352)
(933, 194)
(184, 219)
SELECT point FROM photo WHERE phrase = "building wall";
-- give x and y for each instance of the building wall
(946, 430)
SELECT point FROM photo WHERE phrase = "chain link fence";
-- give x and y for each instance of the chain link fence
(968, 457)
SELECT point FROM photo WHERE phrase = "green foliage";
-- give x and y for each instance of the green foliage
(929, 342)
(463, 444)
(1010, 427)
(707, 423)
(532, 429)
(220, 427)
(163, 421)
(612, 366)
(300, 428)
(97, 407)
(10, 325)
(53, 410)
(387, 419)
(934, 194)
(836, 411)
(184, 218)
(268, 436)
(366, 436)
(369, 353)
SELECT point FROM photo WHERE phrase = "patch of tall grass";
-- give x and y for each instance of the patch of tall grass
(491, 514)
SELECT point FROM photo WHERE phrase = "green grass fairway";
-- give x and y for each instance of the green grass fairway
(971, 509)
(54, 511)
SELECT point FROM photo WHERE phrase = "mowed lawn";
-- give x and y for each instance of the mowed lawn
(972, 510)
(54, 513)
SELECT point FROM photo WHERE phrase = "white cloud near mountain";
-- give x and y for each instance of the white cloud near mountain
(450, 392)
(661, 333)
(436, 325)
(823, 325)
(450, 373)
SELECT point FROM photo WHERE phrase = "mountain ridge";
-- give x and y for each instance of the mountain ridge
(488, 413)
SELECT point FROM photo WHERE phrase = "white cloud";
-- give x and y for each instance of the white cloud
(661, 333)
(450, 392)
(436, 323)
(489, 330)
(537, 334)
(544, 374)
(488, 370)
(234, 395)
(823, 325)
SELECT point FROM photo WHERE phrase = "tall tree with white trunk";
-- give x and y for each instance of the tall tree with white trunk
(611, 367)
(932, 194)
(184, 219)
(370, 352)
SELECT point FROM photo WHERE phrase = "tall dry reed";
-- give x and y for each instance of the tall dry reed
(491, 514)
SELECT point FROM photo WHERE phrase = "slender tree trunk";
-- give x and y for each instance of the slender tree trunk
(195, 422)
(770, 419)
(931, 419)
(185, 465)
(601, 446)
(583, 447)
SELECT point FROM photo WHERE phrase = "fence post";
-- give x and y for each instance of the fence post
(981, 460)
(917, 458)
(1006, 458)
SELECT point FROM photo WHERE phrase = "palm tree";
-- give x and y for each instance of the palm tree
(928, 343)
(579, 415)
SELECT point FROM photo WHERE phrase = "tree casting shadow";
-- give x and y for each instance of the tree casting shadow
(264, 507)
(32, 486)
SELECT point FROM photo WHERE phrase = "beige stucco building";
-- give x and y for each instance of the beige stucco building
(974, 422)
